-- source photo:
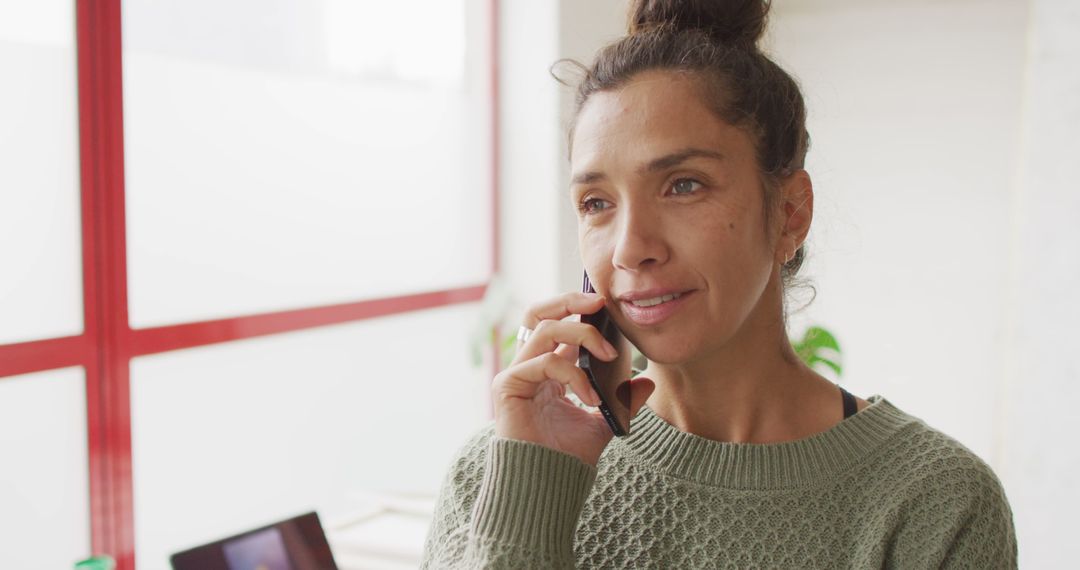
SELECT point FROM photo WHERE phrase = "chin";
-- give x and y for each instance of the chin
(665, 352)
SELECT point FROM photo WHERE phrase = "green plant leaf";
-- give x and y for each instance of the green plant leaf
(813, 341)
(817, 359)
(818, 337)
(507, 350)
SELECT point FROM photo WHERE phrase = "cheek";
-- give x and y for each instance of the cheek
(716, 231)
(590, 244)
(726, 245)
(595, 254)
(739, 222)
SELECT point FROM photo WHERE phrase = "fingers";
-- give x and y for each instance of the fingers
(568, 351)
(525, 380)
(561, 307)
(549, 334)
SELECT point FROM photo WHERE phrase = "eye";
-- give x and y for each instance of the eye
(592, 206)
(684, 186)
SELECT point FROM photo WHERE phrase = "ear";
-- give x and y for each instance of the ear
(797, 211)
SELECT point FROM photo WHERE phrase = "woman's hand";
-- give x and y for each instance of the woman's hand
(530, 395)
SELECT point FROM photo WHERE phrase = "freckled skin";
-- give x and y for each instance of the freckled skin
(646, 236)
(722, 365)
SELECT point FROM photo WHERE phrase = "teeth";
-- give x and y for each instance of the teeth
(655, 301)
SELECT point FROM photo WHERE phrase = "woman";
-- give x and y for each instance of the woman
(687, 159)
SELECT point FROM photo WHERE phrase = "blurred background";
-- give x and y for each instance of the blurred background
(257, 256)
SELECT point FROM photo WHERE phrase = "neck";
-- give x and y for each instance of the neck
(753, 389)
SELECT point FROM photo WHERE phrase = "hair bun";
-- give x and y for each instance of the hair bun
(733, 22)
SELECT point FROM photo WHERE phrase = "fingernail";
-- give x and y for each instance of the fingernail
(595, 397)
(611, 352)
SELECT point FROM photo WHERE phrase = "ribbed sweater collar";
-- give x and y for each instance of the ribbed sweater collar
(789, 464)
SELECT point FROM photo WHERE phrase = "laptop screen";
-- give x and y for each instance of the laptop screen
(294, 544)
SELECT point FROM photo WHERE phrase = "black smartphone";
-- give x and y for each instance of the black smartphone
(610, 379)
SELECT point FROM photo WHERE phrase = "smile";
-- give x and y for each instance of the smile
(648, 312)
(656, 300)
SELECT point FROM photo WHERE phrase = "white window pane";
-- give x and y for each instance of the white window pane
(231, 436)
(44, 490)
(275, 160)
(42, 22)
(41, 283)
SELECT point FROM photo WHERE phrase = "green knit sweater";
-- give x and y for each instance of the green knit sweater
(880, 489)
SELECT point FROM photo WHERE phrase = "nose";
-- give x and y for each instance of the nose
(640, 240)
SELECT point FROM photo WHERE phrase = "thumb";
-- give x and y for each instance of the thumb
(640, 390)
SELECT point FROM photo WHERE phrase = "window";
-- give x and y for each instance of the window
(275, 224)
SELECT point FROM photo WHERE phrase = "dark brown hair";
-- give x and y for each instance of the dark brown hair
(716, 41)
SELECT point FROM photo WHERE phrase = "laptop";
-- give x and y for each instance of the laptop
(298, 543)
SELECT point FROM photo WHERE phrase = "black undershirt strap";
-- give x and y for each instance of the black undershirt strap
(850, 406)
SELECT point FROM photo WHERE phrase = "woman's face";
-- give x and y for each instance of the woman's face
(669, 200)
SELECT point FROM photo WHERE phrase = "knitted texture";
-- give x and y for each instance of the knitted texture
(878, 490)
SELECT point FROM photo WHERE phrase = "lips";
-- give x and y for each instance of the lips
(643, 294)
(655, 300)
(656, 314)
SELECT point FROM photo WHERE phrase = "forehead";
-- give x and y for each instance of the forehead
(652, 115)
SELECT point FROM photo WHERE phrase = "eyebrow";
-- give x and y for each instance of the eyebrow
(663, 163)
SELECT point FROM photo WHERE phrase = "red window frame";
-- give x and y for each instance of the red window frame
(108, 343)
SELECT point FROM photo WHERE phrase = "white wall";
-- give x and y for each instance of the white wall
(942, 251)
(529, 137)
(1040, 460)
(914, 116)
(943, 248)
